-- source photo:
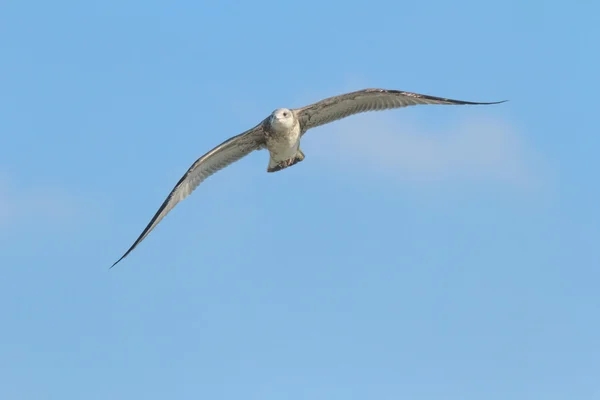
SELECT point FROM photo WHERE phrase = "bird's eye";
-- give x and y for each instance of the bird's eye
(285, 114)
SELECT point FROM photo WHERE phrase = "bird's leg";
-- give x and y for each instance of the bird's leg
(299, 157)
(287, 163)
(278, 167)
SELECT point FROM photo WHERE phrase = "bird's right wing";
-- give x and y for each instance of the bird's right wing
(342, 106)
(218, 158)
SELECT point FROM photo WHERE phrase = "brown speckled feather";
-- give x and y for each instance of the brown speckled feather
(218, 158)
(338, 107)
(283, 138)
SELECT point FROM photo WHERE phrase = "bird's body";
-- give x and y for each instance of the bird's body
(282, 139)
(281, 133)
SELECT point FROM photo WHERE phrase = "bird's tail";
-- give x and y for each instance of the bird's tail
(275, 166)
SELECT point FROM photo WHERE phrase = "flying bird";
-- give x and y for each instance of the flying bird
(280, 133)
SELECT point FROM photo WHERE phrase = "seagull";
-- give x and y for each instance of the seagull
(280, 133)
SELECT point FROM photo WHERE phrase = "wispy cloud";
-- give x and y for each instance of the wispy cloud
(472, 149)
(20, 204)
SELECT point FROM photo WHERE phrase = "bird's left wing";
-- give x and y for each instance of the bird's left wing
(218, 158)
(338, 107)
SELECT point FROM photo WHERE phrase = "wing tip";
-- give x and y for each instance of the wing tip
(142, 237)
(484, 103)
(126, 254)
(474, 103)
(428, 96)
(116, 262)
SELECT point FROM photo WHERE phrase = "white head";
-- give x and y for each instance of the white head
(282, 118)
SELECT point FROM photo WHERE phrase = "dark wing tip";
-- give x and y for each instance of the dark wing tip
(429, 97)
(122, 257)
(474, 103)
(116, 262)
(146, 230)
(444, 99)
(143, 234)
(125, 255)
(494, 102)
(150, 225)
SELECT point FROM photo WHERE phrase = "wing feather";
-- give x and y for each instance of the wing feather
(338, 107)
(218, 158)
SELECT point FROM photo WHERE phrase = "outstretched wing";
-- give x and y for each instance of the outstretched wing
(218, 158)
(338, 107)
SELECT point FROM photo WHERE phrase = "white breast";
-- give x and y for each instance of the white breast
(284, 144)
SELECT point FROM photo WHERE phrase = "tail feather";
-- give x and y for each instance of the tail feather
(275, 166)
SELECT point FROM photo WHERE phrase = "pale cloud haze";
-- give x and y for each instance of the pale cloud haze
(467, 149)
(406, 258)
(22, 204)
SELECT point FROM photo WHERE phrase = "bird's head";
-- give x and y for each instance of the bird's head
(282, 118)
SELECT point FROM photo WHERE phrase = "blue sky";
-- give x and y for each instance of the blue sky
(425, 253)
